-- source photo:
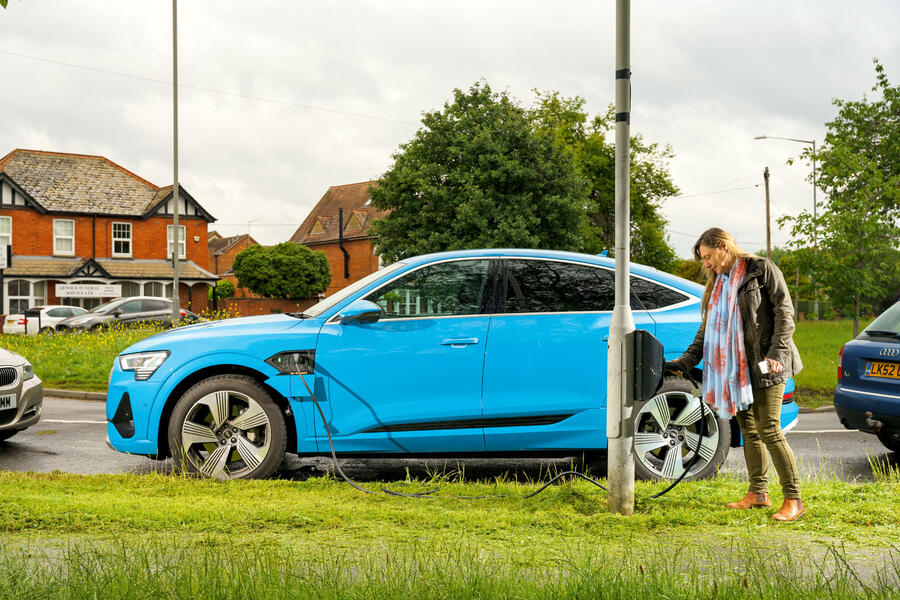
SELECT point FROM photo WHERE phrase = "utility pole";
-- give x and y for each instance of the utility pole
(176, 302)
(768, 222)
(619, 385)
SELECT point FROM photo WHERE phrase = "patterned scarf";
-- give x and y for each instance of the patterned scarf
(726, 374)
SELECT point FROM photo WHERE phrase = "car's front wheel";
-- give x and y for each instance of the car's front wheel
(667, 435)
(228, 427)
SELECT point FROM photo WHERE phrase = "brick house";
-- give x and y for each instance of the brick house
(222, 251)
(80, 219)
(337, 226)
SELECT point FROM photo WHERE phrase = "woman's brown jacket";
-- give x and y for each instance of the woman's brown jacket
(768, 318)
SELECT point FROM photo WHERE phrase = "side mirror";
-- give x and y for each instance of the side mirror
(361, 311)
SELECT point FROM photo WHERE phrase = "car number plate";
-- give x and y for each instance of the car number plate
(883, 369)
(8, 401)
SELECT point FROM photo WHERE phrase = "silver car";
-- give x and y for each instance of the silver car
(21, 394)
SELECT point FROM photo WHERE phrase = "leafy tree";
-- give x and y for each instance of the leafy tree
(689, 269)
(857, 232)
(586, 138)
(287, 270)
(478, 175)
(223, 289)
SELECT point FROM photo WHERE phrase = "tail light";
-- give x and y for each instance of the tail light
(23, 321)
(841, 363)
(182, 312)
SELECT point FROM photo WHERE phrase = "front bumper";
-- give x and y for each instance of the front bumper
(29, 405)
(851, 405)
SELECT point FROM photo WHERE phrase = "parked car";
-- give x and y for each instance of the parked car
(125, 311)
(867, 396)
(21, 394)
(41, 319)
(473, 353)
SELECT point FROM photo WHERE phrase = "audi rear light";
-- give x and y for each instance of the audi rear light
(841, 363)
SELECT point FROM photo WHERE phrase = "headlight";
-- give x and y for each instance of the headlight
(27, 372)
(144, 364)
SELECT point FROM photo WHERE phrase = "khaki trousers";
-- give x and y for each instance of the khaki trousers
(761, 428)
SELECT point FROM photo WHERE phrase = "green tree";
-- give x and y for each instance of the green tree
(287, 270)
(587, 139)
(223, 289)
(856, 234)
(478, 175)
(690, 269)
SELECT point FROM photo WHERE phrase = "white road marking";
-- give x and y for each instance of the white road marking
(67, 421)
(824, 431)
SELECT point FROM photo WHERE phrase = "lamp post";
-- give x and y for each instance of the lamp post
(815, 242)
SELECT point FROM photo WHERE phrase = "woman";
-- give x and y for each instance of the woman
(748, 355)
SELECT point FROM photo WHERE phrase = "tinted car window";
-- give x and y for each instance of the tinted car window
(653, 295)
(445, 289)
(132, 306)
(155, 305)
(548, 286)
(59, 312)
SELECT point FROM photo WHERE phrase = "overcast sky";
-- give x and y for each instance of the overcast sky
(280, 100)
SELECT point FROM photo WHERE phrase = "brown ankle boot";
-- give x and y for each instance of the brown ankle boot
(791, 510)
(751, 500)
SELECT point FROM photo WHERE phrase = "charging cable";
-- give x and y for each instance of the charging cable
(429, 493)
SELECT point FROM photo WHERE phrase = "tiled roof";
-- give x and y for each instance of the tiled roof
(52, 267)
(321, 225)
(222, 245)
(81, 183)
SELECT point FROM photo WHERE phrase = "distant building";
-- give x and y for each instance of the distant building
(81, 219)
(349, 248)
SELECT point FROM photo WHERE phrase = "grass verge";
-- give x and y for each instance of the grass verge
(172, 536)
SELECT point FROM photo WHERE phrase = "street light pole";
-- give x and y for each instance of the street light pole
(176, 302)
(619, 385)
(815, 203)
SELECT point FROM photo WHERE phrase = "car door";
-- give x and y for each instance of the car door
(411, 381)
(545, 365)
(128, 313)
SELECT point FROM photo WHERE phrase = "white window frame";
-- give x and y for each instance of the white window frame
(121, 239)
(31, 297)
(56, 238)
(5, 236)
(182, 243)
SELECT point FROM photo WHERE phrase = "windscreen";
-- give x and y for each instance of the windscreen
(889, 320)
(317, 309)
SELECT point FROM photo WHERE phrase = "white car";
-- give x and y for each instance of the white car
(40, 318)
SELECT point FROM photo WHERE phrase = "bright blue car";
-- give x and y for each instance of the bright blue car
(468, 353)
(867, 396)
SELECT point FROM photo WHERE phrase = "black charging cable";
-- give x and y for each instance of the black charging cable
(429, 493)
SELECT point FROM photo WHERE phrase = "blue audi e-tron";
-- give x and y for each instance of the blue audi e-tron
(467, 353)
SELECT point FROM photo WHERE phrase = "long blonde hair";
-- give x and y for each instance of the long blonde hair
(716, 238)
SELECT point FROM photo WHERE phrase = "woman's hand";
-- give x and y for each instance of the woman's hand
(774, 365)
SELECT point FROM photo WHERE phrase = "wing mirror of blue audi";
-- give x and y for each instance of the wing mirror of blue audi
(361, 311)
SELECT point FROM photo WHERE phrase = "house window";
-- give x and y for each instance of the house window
(63, 236)
(129, 288)
(181, 245)
(5, 231)
(154, 288)
(121, 239)
(22, 294)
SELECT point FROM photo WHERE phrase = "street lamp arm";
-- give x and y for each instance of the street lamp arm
(775, 137)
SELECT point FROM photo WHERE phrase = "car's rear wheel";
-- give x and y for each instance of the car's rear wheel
(667, 432)
(228, 427)
(47, 330)
(891, 440)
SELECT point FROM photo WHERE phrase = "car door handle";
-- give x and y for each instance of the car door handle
(459, 342)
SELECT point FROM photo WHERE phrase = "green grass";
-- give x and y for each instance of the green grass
(75, 361)
(172, 536)
(819, 343)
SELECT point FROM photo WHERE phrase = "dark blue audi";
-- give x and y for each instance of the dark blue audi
(867, 396)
